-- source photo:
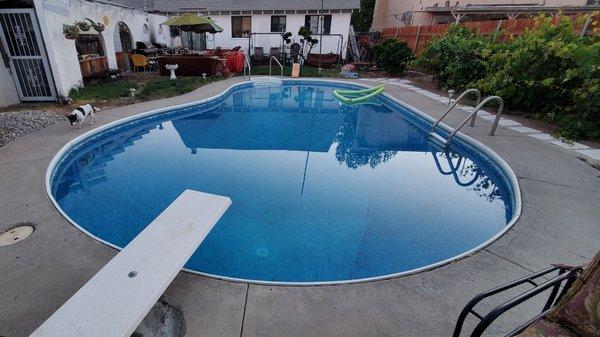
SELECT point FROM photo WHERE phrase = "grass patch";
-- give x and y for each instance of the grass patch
(100, 92)
(117, 93)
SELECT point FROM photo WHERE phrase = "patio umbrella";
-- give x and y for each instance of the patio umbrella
(194, 23)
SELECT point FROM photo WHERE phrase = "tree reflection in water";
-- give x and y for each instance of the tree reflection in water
(348, 152)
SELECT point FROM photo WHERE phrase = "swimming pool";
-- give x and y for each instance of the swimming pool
(322, 192)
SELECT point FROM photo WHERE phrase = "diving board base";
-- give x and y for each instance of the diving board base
(118, 297)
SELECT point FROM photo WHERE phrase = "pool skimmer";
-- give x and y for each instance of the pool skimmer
(15, 235)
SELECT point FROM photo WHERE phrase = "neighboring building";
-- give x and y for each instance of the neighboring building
(269, 19)
(398, 13)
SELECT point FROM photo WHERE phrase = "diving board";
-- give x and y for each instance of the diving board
(118, 297)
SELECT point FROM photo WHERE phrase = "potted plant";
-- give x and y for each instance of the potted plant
(98, 26)
(83, 26)
(70, 31)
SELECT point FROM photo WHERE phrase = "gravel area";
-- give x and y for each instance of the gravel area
(15, 124)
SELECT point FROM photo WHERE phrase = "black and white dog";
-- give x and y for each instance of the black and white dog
(79, 114)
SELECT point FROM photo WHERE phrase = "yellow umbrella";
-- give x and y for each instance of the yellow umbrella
(194, 23)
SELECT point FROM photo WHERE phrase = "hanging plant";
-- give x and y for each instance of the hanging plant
(70, 31)
(84, 26)
(99, 27)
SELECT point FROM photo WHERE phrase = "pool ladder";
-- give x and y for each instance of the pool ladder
(478, 105)
(247, 64)
(271, 63)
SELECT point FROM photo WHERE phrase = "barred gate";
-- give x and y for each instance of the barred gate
(21, 39)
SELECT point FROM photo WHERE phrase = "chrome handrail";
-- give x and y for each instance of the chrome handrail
(247, 63)
(474, 113)
(498, 113)
(279, 63)
(463, 94)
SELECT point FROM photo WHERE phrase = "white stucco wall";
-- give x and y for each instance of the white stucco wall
(261, 23)
(62, 52)
(8, 91)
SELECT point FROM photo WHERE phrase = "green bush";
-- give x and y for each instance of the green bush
(551, 72)
(456, 59)
(393, 55)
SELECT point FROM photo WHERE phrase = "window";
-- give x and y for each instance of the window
(241, 26)
(312, 22)
(277, 23)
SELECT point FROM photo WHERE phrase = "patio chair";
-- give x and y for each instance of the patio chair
(139, 61)
(274, 51)
(258, 55)
(294, 52)
(571, 309)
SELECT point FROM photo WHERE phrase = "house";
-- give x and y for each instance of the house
(39, 63)
(399, 13)
(260, 23)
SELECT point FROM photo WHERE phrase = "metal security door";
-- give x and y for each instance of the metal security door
(22, 41)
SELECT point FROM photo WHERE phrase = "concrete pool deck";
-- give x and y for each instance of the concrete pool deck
(560, 223)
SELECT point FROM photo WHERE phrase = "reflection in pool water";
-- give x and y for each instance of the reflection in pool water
(320, 191)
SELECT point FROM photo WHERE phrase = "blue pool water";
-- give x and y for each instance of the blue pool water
(321, 192)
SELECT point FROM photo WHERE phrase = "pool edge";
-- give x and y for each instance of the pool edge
(497, 159)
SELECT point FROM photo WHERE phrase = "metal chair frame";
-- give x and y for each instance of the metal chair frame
(565, 278)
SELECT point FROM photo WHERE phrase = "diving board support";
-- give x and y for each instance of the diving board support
(118, 297)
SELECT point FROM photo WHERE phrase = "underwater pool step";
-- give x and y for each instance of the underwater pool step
(267, 81)
(438, 140)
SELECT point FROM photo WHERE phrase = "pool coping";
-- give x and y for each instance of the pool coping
(497, 159)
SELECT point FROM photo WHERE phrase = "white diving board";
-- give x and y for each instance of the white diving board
(118, 297)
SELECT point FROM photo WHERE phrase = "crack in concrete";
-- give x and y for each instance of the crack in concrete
(509, 261)
(557, 184)
(551, 243)
(25, 160)
(244, 313)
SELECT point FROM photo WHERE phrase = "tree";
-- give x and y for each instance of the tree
(393, 55)
(306, 40)
(362, 19)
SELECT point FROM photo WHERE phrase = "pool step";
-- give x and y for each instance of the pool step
(267, 81)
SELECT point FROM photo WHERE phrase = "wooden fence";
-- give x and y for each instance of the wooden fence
(418, 37)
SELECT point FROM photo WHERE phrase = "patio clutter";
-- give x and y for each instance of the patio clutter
(570, 311)
(349, 71)
(357, 96)
(327, 60)
(191, 65)
(118, 297)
